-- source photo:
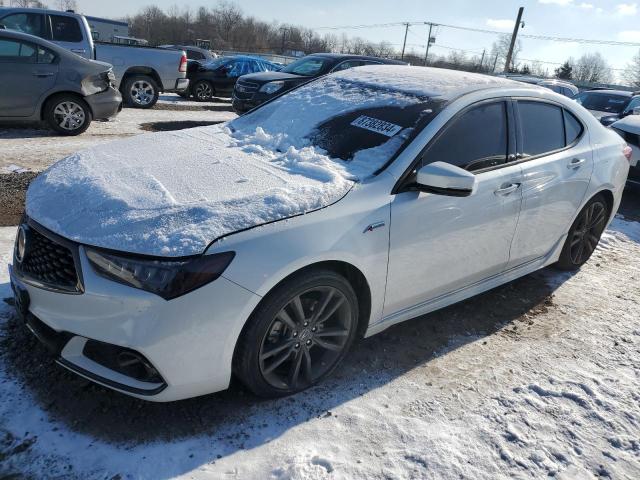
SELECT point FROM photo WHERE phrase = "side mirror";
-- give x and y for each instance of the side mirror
(445, 179)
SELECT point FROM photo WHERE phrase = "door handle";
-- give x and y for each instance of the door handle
(576, 162)
(78, 50)
(507, 189)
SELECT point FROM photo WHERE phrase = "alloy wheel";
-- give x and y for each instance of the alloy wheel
(586, 235)
(142, 92)
(204, 91)
(306, 338)
(69, 115)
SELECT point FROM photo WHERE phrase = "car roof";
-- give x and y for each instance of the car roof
(624, 93)
(427, 81)
(349, 56)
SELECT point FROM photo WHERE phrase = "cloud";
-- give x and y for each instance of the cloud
(586, 6)
(501, 24)
(562, 3)
(627, 8)
(629, 36)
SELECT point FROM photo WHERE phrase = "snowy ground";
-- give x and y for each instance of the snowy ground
(533, 379)
(34, 147)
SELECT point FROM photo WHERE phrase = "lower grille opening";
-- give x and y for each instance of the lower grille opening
(122, 360)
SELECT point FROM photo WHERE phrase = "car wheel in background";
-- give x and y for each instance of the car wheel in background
(584, 234)
(67, 114)
(140, 91)
(203, 91)
(298, 334)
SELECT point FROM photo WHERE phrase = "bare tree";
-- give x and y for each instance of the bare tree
(500, 49)
(631, 74)
(65, 5)
(592, 68)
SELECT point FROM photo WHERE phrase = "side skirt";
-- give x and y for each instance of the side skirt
(469, 291)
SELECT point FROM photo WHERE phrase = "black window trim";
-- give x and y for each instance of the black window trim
(402, 185)
(520, 137)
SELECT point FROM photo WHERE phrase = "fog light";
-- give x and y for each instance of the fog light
(122, 360)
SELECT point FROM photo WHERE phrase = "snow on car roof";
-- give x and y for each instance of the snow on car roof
(425, 81)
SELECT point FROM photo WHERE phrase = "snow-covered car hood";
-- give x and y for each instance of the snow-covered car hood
(630, 123)
(171, 194)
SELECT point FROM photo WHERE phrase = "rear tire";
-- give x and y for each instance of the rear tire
(140, 91)
(203, 91)
(67, 114)
(298, 335)
(584, 234)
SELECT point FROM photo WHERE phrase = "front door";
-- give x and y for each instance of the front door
(27, 72)
(438, 243)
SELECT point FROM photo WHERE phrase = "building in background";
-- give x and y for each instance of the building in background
(105, 30)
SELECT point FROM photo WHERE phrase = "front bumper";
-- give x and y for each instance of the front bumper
(105, 104)
(189, 340)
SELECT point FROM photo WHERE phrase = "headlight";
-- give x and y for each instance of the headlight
(271, 87)
(166, 278)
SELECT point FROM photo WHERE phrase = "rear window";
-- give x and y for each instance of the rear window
(603, 102)
(65, 29)
(342, 119)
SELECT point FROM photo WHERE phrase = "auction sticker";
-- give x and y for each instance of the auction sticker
(379, 126)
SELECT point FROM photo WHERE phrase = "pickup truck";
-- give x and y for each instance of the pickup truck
(141, 72)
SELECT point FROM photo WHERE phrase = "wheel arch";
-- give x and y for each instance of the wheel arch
(140, 70)
(46, 100)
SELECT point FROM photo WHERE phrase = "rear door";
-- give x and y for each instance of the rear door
(66, 31)
(27, 73)
(557, 163)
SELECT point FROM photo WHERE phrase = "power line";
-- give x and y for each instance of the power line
(551, 38)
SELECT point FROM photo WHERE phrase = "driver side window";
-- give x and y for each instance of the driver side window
(478, 139)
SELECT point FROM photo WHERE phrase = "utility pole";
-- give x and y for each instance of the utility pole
(516, 27)
(284, 36)
(426, 54)
(404, 44)
(484, 50)
(495, 62)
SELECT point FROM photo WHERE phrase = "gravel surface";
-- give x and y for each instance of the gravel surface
(13, 187)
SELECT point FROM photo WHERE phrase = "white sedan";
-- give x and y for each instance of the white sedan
(164, 264)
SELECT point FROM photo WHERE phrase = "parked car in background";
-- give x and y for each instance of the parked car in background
(42, 81)
(202, 55)
(255, 89)
(354, 202)
(629, 129)
(218, 77)
(562, 87)
(141, 73)
(608, 106)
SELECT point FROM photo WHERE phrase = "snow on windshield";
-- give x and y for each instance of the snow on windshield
(323, 119)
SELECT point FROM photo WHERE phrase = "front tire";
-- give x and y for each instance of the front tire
(584, 234)
(68, 114)
(203, 91)
(140, 91)
(298, 335)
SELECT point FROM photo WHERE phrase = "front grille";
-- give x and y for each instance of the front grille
(48, 262)
(244, 90)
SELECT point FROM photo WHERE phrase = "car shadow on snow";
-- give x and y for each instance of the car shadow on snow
(217, 425)
(175, 125)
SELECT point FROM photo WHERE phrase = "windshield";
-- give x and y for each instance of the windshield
(602, 102)
(359, 125)
(307, 66)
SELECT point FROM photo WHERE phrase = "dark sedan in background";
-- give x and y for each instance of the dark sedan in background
(255, 89)
(217, 78)
(42, 81)
(608, 106)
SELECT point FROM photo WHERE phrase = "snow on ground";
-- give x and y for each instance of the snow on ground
(536, 378)
(35, 148)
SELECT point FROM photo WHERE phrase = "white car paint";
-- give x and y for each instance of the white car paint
(428, 251)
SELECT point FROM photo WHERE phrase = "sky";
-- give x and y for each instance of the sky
(610, 20)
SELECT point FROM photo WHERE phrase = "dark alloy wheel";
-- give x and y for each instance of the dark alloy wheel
(585, 234)
(203, 91)
(299, 336)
